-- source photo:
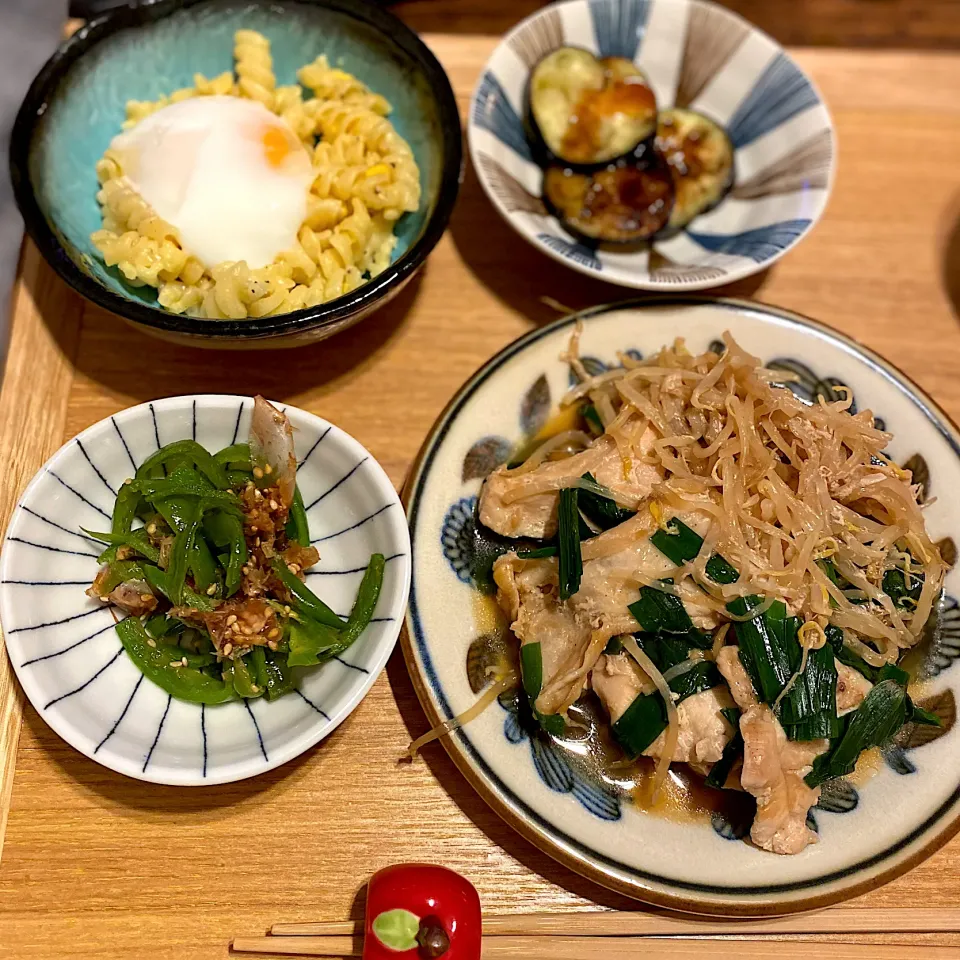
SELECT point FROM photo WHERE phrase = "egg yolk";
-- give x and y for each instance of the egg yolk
(276, 146)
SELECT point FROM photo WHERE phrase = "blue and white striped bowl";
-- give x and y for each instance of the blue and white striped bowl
(697, 55)
(68, 658)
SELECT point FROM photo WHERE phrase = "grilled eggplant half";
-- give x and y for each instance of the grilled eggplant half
(700, 157)
(584, 111)
(623, 203)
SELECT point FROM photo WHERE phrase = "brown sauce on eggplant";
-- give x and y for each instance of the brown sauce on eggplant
(683, 153)
(628, 95)
(622, 203)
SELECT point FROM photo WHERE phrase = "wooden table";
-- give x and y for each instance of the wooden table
(96, 865)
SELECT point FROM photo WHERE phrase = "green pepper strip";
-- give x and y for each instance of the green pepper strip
(137, 540)
(305, 599)
(297, 527)
(188, 450)
(179, 556)
(119, 572)
(258, 662)
(182, 484)
(177, 511)
(236, 454)
(366, 602)
(226, 530)
(159, 581)
(244, 679)
(279, 678)
(184, 683)
(125, 509)
(311, 643)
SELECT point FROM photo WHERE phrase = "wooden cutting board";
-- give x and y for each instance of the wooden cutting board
(96, 865)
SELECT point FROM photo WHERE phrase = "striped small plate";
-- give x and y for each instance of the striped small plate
(696, 55)
(63, 646)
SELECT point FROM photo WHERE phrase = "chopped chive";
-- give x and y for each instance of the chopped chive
(571, 562)
(902, 593)
(762, 652)
(720, 571)
(659, 612)
(846, 656)
(679, 544)
(890, 671)
(600, 510)
(814, 693)
(646, 718)
(590, 415)
(882, 713)
(731, 753)
(531, 668)
(819, 727)
(553, 723)
(917, 714)
(537, 553)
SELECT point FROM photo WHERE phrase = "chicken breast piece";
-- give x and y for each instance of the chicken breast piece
(852, 688)
(704, 730)
(618, 680)
(573, 633)
(528, 594)
(773, 771)
(732, 670)
(508, 509)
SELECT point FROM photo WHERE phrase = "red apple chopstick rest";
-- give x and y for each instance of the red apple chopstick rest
(416, 911)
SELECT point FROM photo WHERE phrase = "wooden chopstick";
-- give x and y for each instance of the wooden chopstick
(616, 948)
(658, 924)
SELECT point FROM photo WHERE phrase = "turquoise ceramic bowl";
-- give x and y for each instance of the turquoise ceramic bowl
(76, 106)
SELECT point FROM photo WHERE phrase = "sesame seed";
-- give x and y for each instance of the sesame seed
(257, 495)
(274, 633)
(128, 480)
(151, 528)
(151, 643)
(146, 596)
(246, 631)
(272, 644)
(176, 663)
(293, 567)
(105, 599)
(184, 661)
(254, 688)
(257, 542)
(227, 649)
(211, 590)
(246, 569)
(286, 609)
(267, 469)
(231, 620)
(273, 504)
(253, 528)
(258, 473)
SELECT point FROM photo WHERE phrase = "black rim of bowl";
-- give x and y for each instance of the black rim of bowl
(310, 319)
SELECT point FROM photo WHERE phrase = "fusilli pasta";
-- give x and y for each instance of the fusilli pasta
(366, 178)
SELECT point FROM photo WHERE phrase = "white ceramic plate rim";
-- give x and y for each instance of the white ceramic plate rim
(765, 898)
(746, 269)
(288, 750)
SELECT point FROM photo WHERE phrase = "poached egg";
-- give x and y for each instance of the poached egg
(231, 176)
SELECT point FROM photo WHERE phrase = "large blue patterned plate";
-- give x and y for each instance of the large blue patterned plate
(699, 56)
(66, 653)
(869, 830)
